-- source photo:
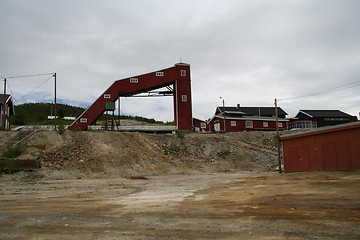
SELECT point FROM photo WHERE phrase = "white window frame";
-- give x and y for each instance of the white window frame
(265, 124)
(107, 95)
(83, 120)
(184, 98)
(183, 73)
(203, 125)
(233, 123)
(249, 124)
(159, 74)
(280, 124)
(134, 80)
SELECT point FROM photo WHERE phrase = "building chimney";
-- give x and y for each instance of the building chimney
(238, 105)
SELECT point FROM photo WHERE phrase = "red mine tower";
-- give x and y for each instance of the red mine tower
(176, 79)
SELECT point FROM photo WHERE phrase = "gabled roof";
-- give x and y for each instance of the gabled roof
(324, 113)
(253, 111)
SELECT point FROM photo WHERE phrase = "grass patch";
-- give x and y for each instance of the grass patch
(13, 152)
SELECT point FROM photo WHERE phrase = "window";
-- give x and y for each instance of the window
(107, 96)
(159, 74)
(280, 124)
(336, 119)
(203, 125)
(184, 98)
(304, 124)
(265, 124)
(83, 120)
(134, 80)
(183, 72)
(233, 123)
(249, 124)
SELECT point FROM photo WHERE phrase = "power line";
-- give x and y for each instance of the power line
(34, 89)
(25, 76)
(346, 86)
(227, 84)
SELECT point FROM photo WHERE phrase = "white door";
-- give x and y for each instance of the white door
(217, 127)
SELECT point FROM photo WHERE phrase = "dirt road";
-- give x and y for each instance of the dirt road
(317, 205)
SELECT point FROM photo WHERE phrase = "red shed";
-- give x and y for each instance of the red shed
(328, 148)
(200, 125)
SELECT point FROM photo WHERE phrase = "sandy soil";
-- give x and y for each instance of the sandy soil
(246, 205)
(111, 185)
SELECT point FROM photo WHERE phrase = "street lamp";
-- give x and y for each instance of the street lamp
(223, 101)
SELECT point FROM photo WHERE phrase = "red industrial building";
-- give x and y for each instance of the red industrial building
(328, 148)
(176, 79)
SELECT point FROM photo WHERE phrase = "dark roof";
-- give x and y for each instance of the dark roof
(2, 97)
(254, 111)
(324, 113)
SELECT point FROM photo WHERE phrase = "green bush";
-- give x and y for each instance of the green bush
(13, 152)
(173, 147)
(180, 134)
(61, 129)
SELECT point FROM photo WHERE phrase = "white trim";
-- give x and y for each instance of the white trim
(305, 113)
(134, 80)
(233, 123)
(159, 74)
(177, 104)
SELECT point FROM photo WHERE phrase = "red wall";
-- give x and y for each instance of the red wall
(329, 150)
(241, 125)
(182, 109)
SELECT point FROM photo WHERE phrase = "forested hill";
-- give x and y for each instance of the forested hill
(36, 113)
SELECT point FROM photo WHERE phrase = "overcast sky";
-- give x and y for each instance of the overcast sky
(246, 51)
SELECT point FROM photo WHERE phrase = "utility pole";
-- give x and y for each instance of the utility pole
(119, 110)
(224, 113)
(278, 135)
(4, 107)
(55, 101)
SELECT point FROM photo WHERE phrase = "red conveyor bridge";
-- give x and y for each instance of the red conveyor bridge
(178, 76)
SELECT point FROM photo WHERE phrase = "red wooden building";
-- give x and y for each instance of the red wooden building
(200, 125)
(327, 148)
(320, 118)
(236, 119)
